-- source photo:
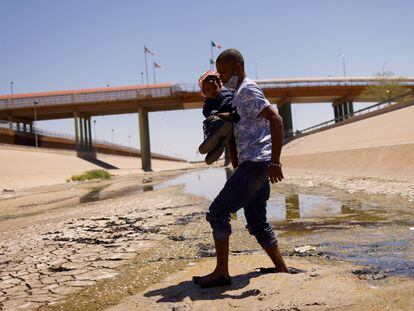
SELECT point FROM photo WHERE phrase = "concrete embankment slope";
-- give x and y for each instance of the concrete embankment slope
(380, 146)
(22, 167)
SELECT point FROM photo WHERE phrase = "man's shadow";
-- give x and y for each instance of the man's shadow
(178, 292)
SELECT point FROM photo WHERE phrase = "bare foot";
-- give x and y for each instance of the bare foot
(213, 279)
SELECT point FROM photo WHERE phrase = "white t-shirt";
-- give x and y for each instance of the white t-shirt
(252, 133)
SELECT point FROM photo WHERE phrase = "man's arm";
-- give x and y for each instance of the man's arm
(276, 131)
(233, 152)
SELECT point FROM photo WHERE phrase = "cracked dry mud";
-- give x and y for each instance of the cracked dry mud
(42, 262)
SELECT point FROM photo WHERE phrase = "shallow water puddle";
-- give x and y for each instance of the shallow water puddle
(348, 226)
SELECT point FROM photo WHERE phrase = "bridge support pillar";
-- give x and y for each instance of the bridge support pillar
(343, 108)
(144, 139)
(10, 119)
(85, 134)
(76, 120)
(285, 111)
(90, 133)
(81, 139)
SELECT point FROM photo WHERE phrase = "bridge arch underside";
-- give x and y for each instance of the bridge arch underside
(21, 108)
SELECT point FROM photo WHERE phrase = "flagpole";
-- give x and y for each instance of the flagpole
(153, 68)
(211, 59)
(146, 66)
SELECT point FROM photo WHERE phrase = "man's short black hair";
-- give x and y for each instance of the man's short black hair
(232, 55)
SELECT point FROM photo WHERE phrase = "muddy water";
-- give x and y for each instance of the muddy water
(372, 231)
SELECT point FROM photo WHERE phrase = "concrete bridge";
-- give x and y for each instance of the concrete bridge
(81, 105)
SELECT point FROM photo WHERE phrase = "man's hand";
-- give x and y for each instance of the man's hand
(275, 174)
(225, 115)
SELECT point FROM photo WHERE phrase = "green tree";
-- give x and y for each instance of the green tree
(385, 88)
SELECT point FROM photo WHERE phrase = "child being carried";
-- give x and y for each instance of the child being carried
(219, 114)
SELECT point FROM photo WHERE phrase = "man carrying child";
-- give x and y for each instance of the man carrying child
(255, 151)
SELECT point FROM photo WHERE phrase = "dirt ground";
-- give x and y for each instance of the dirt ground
(134, 248)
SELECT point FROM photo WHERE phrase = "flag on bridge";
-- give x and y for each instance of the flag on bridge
(146, 50)
(214, 44)
(157, 65)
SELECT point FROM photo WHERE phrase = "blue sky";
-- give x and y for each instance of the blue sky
(55, 45)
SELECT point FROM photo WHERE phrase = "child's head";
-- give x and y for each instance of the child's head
(210, 84)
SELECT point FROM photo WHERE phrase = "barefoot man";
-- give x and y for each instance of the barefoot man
(258, 137)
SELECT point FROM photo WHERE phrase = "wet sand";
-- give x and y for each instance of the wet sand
(130, 249)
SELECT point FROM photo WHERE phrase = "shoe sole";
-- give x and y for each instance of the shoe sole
(213, 139)
(213, 155)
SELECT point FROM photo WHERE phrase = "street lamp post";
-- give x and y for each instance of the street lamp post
(129, 138)
(383, 67)
(142, 78)
(35, 120)
(94, 128)
(113, 151)
(11, 93)
(343, 63)
(389, 96)
(94, 134)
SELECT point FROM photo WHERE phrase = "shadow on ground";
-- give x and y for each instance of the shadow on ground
(178, 292)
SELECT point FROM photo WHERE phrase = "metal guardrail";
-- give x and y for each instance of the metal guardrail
(13, 127)
(268, 85)
(65, 99)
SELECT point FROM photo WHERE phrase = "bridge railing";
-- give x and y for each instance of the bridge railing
(93, 97)
(166, 91)
(264, 84)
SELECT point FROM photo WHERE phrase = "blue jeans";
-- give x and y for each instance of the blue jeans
(247, 188)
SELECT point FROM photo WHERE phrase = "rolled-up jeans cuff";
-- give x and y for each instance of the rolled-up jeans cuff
(221, 235)
(268, 244)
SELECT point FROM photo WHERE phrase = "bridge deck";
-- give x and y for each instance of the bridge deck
(162, 97)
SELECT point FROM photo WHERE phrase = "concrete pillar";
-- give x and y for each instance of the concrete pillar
(343, 108)
(350, 107)
(18, 126)
(145, 139)
(75, 118)
(85, 130)
(90, 133)
(285, 111)
(10, 123)
(81, 141)
(31, 127)
(338, 110)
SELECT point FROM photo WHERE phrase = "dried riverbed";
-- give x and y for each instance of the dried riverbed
(91, 247)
